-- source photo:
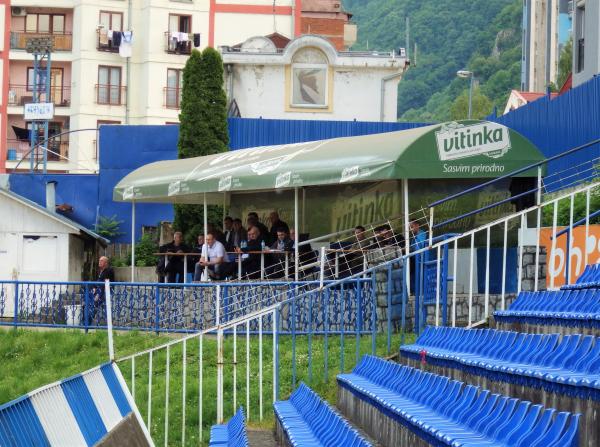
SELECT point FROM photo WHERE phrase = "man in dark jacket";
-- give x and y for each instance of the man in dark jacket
(105, 272)
(251, 265)
(276, 224)
(282, 245)
(175, 264)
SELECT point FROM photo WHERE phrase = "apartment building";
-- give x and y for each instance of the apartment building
(4, 55)
(94, 80)
(586, 41)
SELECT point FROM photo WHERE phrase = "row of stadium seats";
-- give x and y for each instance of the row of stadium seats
(442, 411)
(569, 366)
(232, 434)
(590, 278)
(306, 420)
(569, 308)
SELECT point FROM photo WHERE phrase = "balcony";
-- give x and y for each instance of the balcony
(19, 95)
(172, 97)
(103, 43)
(112, 95)
(62, 41)
(174, 46)
(19, 149)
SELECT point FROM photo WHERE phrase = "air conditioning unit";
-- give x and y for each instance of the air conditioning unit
(18, 11)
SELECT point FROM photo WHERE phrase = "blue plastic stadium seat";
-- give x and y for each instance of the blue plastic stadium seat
(442, 411)
(232, 434)
(568, 307)
(589, 279)
(569, 366)
(309, 421)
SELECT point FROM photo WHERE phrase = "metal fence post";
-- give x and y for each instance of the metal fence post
(109, 322)
(86, 307)
(16, 316)
(157, 309)
(373, 313)
(389, 308)
(218, 305)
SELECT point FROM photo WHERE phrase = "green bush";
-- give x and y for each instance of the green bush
(144, 251)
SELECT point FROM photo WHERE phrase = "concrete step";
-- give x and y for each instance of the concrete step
(261, 437)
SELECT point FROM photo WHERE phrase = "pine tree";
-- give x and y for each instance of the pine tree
(202, 129)
(215, 101)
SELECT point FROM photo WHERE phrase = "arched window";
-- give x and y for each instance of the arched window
(309, 79)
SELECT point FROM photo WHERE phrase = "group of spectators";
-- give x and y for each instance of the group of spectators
(217, 255)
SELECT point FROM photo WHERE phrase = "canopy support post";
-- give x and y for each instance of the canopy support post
(224, 209)
(205, 234)
(406, 232)
(296, 234)
(132, 241)
(303, 210)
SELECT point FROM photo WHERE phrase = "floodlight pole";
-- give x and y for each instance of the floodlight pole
(41, 48)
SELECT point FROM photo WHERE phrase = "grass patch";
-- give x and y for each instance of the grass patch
(29, 359)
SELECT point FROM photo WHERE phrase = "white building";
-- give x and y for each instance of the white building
(586, 40)
(37, 243)
(92, 84)
(309, 79)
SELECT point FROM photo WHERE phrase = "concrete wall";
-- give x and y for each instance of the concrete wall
(592, 41)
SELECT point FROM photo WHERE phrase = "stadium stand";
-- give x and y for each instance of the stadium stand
(232, 434)
(539, 367)
(306, 420)
(400, 405)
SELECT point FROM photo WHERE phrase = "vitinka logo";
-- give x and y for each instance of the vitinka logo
(456, 140)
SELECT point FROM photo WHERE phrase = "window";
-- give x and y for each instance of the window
(173, 89)
(309, 79)
(45, 23)
(109, 85)
(579, 44)
(180, 24)
(111, 20)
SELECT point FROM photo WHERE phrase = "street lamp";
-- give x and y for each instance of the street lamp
(468, 74)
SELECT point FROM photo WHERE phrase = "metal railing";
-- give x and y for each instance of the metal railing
(19, 95)
(173, 44)
(114, 95)
(172, 97)
(20, 149)
(105, 44)
(62, 41)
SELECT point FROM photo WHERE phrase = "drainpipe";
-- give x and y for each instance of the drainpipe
(230, 81)
(382, 97)
(128, 67)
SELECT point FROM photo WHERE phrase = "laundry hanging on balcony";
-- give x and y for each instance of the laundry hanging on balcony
(125, 47)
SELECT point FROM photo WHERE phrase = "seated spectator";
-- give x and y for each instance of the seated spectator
(193, 260)
(213, 258)
(356, 258)
(239, 234)
(306, 254)
(175, 264)
(264, 231)
(385, 237)
(251, 264)
(277, 261)
(276, 225)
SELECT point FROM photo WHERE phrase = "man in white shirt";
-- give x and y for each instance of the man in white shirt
(213, 257)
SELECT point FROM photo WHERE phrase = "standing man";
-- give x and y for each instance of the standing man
(105, 272)
(228, 233)
(418, 236)
(175, 264)
(276, 225)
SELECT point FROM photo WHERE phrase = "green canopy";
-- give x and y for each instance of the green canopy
(465, 149)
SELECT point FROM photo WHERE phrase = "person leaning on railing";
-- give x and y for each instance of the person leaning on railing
(175, 264)
(283, 245)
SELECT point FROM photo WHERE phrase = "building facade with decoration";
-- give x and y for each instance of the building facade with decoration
(118, 62)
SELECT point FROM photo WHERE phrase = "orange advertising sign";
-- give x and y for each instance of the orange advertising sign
(582, 253)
